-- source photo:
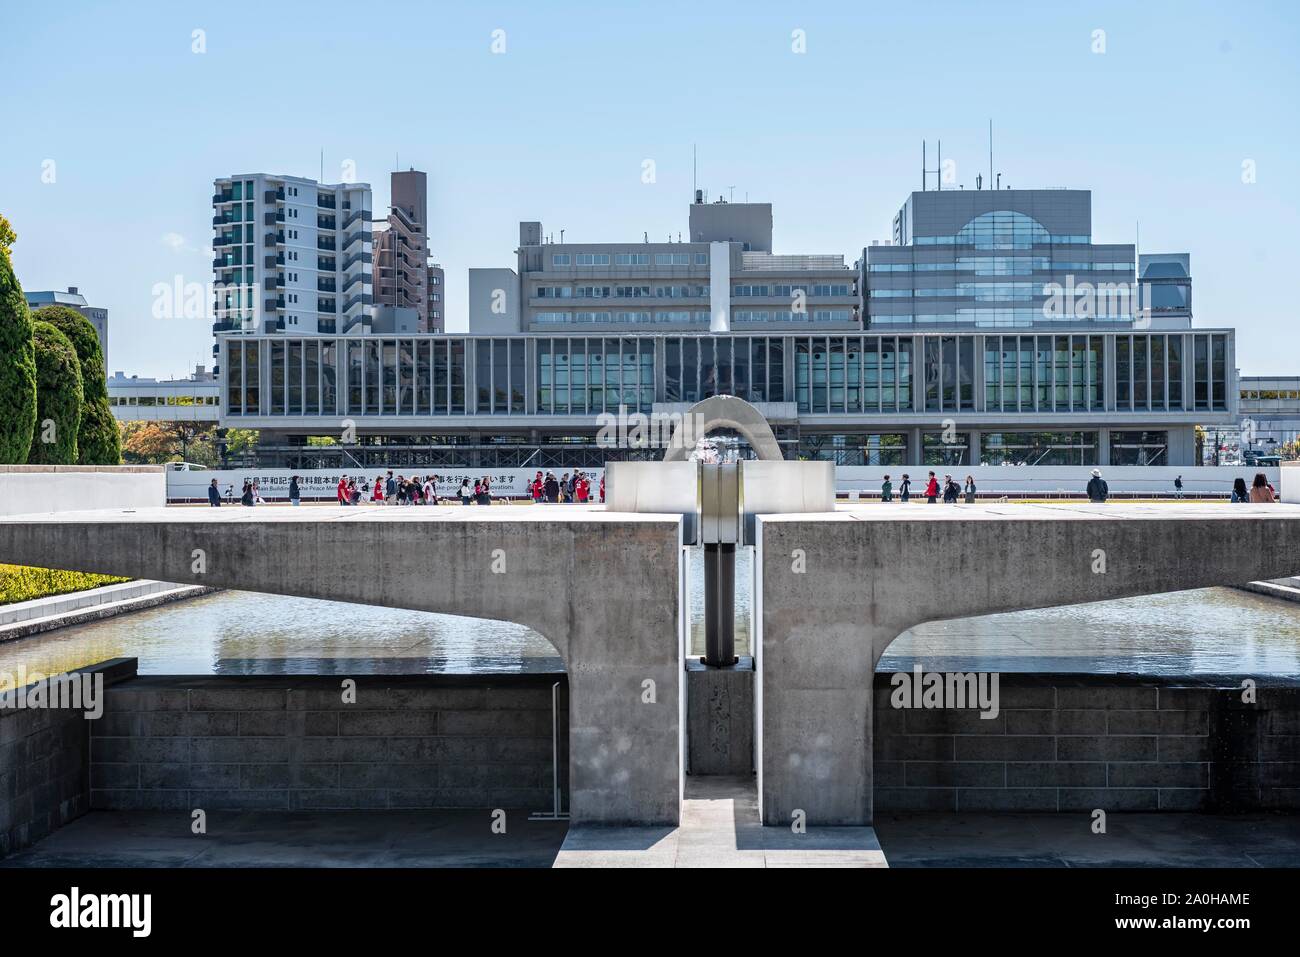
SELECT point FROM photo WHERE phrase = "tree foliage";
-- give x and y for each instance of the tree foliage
(98, 442)
(17, 368)
(58, 398)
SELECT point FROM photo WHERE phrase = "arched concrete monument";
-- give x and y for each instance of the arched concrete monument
(724, 412)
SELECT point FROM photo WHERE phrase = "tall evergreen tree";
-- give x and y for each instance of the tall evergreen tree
(99, 441)
(17, 368)
(58, 398)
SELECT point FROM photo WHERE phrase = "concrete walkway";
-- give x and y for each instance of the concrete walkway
(932, 839)
(720, 828)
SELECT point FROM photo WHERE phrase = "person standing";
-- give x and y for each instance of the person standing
(294, 493)
(552, 488)
(247, 497)
(1097, 488)
(950, 490)
(932, 490)
(602, 488)
(1178, 487)
(1261, 491)
(886, 490)
(905, 489)
(430, 491)
(389, 493)
(970, 490)
(538, 488)
(214, 495)
(464, 492)
(345, 497)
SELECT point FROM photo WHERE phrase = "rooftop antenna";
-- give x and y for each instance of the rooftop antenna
(322, 164)
(561, 237)
(990, 149)
(695, 179)
(732, 194)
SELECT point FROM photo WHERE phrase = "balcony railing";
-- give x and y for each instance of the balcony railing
(361, 298)
(326, 200)
(223, 197)
(324, 306)
(353, 216)
(356, 258)
(326, 242)
(361, 234)
(325, 222)
(274, 304)
(272, 218)
(272, 195)
(353, 280)
(326, 285)
(325, 263)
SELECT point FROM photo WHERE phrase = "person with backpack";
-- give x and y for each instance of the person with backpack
(950, 490)
(905, 489)
(1097, 488)
(1178, 487)
(1239, 492)
(932, 490)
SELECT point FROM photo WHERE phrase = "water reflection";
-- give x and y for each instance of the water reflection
(1214, 630)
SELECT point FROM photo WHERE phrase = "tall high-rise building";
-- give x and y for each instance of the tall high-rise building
(291, 255)
(402, 271)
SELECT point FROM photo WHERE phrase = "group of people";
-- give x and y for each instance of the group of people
(567, 488)
(950, 490)
(385, 490)
(1259, 491)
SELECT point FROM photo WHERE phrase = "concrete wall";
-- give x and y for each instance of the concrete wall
(65, 488)
(1079, 742)
(835, 590)
(44, 765)
(1289, 482)
(544, 568)
(720, 718)
(276, 743)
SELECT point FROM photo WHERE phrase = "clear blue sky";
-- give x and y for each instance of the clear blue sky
(557, 129)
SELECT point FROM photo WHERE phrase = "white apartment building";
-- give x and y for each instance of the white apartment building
(291, 256)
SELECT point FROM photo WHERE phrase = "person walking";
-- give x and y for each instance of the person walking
(464, 492)
(485, 491)
(1239, 491)
(886, 490)
(932, 490)
(430, 491)
(970, 490)
(1261, 491)
(377, 495)
(905, 489)
(247, 497)
(552, 488)
(295, 494)
(950, 490)
(1178, 487)
(1097, 488)
(390, 489)
(214, 495)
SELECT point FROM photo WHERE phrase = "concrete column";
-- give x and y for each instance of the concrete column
(975, 438)
(914, 451)
(1103, 446)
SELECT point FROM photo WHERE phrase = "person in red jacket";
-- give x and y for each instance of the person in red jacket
(344, 498)
(602, 487)
(538, 488)
(582, 489)
(932, 489)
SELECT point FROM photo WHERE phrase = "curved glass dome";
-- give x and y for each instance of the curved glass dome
(1003, 229)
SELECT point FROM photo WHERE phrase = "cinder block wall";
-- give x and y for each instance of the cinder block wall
(44, 764)
(441, 741)
(1079, 742)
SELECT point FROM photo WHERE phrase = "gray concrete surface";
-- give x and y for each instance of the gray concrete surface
(549, 569)
(836, 589)
(1060, 840)
(720, 828)
(447, 838)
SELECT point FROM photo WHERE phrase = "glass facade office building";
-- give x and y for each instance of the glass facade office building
(855, 398)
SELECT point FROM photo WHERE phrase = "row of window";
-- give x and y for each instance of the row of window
(630, 259)
(1003, 266)
(784, 291)
(994, 317)
(832, 374)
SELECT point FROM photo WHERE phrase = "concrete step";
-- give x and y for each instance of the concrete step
(720, 828)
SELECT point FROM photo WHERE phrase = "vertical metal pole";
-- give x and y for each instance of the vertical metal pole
(555, 814)
(719, 604)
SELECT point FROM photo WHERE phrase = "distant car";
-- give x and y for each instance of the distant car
(186, 467)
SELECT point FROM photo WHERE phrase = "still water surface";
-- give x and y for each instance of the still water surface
(1209, 631)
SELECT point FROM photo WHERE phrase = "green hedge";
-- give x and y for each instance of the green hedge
(99, 442)
(58, 398)
(17, 369)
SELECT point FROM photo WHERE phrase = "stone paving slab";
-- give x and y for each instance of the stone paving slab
(720, 828)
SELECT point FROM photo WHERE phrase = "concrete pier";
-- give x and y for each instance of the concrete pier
(835, 589)
(603, 588)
